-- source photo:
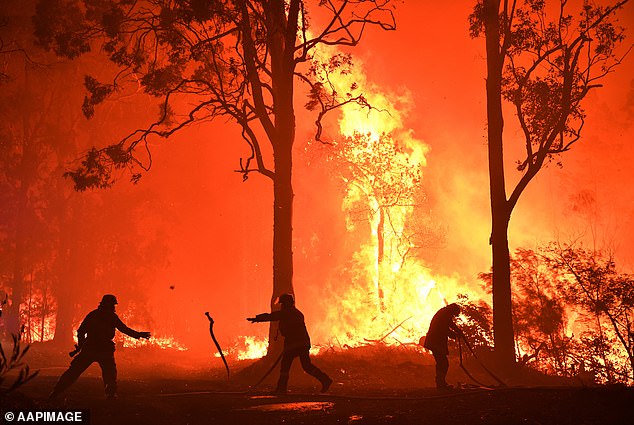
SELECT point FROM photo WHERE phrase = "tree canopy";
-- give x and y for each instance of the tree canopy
(544, 60)
(203, 60)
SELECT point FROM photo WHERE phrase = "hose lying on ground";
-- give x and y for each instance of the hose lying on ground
(462, 337)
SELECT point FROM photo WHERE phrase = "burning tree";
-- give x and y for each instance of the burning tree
(385, 181)
(392, 294)
(540, 336)
(236, 60)
(544, 61)
(593, 283)
(586, 310)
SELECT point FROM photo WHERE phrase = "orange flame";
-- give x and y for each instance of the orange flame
(392, 294)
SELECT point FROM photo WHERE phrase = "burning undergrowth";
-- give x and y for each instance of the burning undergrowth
(371, 369)
(383, 289)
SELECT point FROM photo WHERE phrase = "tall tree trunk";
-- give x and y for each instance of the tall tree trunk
(502, 308)
(283, 195)
(69, 257)
(44, 311)
(500, 211)
(64, 321)
(65, 312)
(282, 228)
(13, 321)
(380, 235)
(281, 40)
(28, 330)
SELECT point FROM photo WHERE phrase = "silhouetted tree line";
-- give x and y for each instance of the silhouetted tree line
(57, 246)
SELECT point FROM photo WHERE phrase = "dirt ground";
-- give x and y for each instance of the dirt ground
(373, 385)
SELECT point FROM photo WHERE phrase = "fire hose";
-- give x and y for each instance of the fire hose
(75, 351)
(275, 363)
(279, 358)
(213, 337)
(502, 384)
(268, 372)
(462, 337)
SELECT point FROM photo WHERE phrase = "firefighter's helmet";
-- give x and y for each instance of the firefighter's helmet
(108, 299)
(286, 299)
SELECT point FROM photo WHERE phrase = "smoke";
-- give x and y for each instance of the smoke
(215, 232)
(445, 74)
(221, 239)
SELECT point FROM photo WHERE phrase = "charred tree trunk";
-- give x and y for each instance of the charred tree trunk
(27, 335)
(502, 308)
(281, 39)
(12, 318)
(64, 317)
(13, 321)
(70, 256)
(65, 313)
(500, 210)
(45, 308)
(282, 227)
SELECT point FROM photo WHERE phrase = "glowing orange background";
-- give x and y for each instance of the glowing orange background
(220, 234)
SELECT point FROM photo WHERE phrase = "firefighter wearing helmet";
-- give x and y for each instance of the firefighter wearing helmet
(95, 344)
(441, 328)
(296, 342)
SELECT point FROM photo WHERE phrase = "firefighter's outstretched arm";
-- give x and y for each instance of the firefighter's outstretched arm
(131, 332)
(265, 317)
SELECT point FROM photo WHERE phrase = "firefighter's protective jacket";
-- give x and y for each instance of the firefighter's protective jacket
(441, 328)
(292, 326)
(98, 328)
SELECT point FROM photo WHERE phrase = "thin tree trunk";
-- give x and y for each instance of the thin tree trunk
(606, 361)
(502, 309)
(500, 212)
(380, 234)
(44, 310)
(70, 256)
(13, 321)
(29, 313)
(64, 316)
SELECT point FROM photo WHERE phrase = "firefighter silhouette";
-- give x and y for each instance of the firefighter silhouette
(441, 328)
(296, 342)
(95, 344)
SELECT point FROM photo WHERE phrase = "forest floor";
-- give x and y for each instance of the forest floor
(373, 385)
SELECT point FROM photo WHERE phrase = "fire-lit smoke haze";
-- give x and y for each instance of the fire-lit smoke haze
(213, 232)
(383, 284)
